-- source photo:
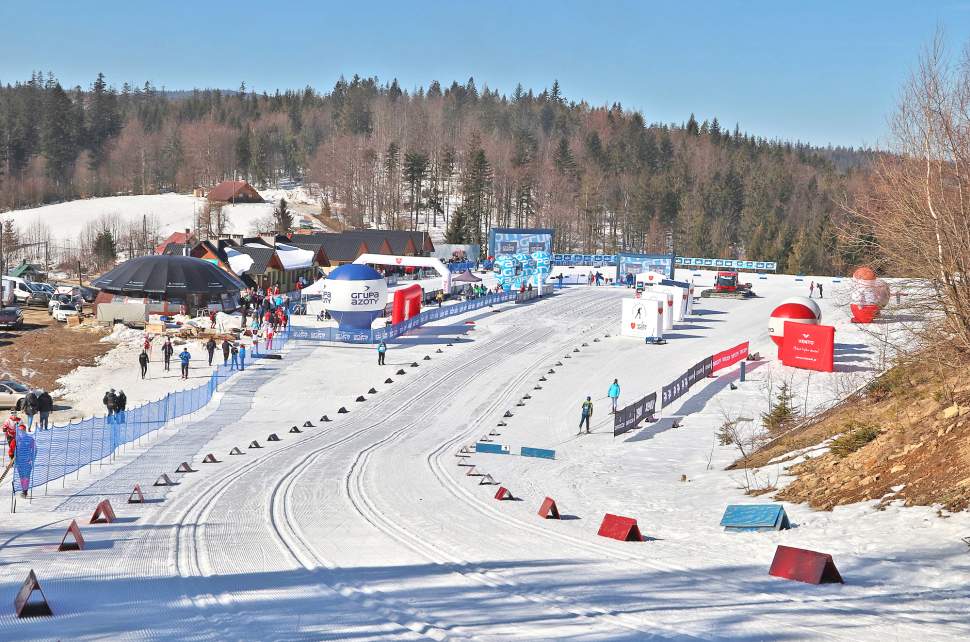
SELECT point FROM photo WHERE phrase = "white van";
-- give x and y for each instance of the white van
(25, 293)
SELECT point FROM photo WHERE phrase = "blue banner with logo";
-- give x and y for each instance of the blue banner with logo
(728, 264)
(376, 335)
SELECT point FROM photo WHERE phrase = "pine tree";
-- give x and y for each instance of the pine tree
(58, 140)
(414, 171)
(103, 120)
(456, 232)
(563, 158)
(692, 127)
(783, 413)
(476, 191)
(244, 153)
(104, 249)
(283, 218)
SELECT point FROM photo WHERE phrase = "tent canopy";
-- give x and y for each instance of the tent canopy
(466, 277)
(167, 274)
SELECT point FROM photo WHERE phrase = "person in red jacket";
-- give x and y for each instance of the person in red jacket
(10, 427)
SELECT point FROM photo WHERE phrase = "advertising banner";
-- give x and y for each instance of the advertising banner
(511, 240)
(679, 386)
(628, 418)
(737, 264)
(376, 335)
(639, 263)
(729, 357)
(811, 347)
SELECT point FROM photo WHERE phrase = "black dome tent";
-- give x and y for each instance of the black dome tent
(179, 280)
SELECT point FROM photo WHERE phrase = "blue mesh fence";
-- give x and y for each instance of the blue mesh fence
(49, 455)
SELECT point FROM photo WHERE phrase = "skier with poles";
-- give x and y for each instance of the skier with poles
(587, 413)
(10, 428)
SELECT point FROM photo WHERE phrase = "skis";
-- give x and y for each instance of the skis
(6, 470)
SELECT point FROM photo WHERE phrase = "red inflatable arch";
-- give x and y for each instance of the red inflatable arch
(407, 303)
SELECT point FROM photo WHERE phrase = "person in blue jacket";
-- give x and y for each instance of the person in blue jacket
(614, 393)
(381, 350)
(185, 357)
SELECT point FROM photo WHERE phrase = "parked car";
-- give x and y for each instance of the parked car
(62, 307)
(11, 317)
(11, 392)
(86, 293)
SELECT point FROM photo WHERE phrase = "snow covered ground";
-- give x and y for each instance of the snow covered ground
(366, 528)
(173, 212)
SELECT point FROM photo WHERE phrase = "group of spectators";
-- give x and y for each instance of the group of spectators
(116, 403)
(36, 403)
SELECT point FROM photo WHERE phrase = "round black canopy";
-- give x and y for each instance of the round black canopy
(167, 274)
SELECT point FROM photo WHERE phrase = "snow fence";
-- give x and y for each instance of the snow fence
(47, 455)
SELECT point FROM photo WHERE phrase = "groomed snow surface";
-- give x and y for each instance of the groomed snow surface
(365, 527)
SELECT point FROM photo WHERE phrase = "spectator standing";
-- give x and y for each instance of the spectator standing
(235, 357)
(242, 355)
(614, 393)
(30, 407)
(45, 405)
(226, 347)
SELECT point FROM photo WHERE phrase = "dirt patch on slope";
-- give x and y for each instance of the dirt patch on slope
(906, 437)
(39, 356)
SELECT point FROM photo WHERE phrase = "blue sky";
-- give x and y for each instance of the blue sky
(823, 72)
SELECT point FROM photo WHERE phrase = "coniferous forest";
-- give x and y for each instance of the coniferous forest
(465, 157)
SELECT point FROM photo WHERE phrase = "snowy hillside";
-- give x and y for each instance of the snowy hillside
(367, 528)
(173, 213)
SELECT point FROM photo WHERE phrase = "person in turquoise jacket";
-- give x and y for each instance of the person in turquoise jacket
(381, 350)
(185, 357)
(614, 393)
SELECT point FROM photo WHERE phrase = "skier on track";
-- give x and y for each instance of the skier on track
(185, 357)
(10, 428)
(143, 362)
(614, 393)
(26, 450)
(587, 413)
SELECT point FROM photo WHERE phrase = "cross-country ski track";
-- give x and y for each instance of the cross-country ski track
(366, 527)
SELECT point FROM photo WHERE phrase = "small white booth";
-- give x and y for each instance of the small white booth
(667, 298)
(642, 318)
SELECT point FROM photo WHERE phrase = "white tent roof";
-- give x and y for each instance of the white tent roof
(239, 262)
(294, 258)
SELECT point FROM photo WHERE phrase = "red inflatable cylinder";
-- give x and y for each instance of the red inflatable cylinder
(407, 303)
